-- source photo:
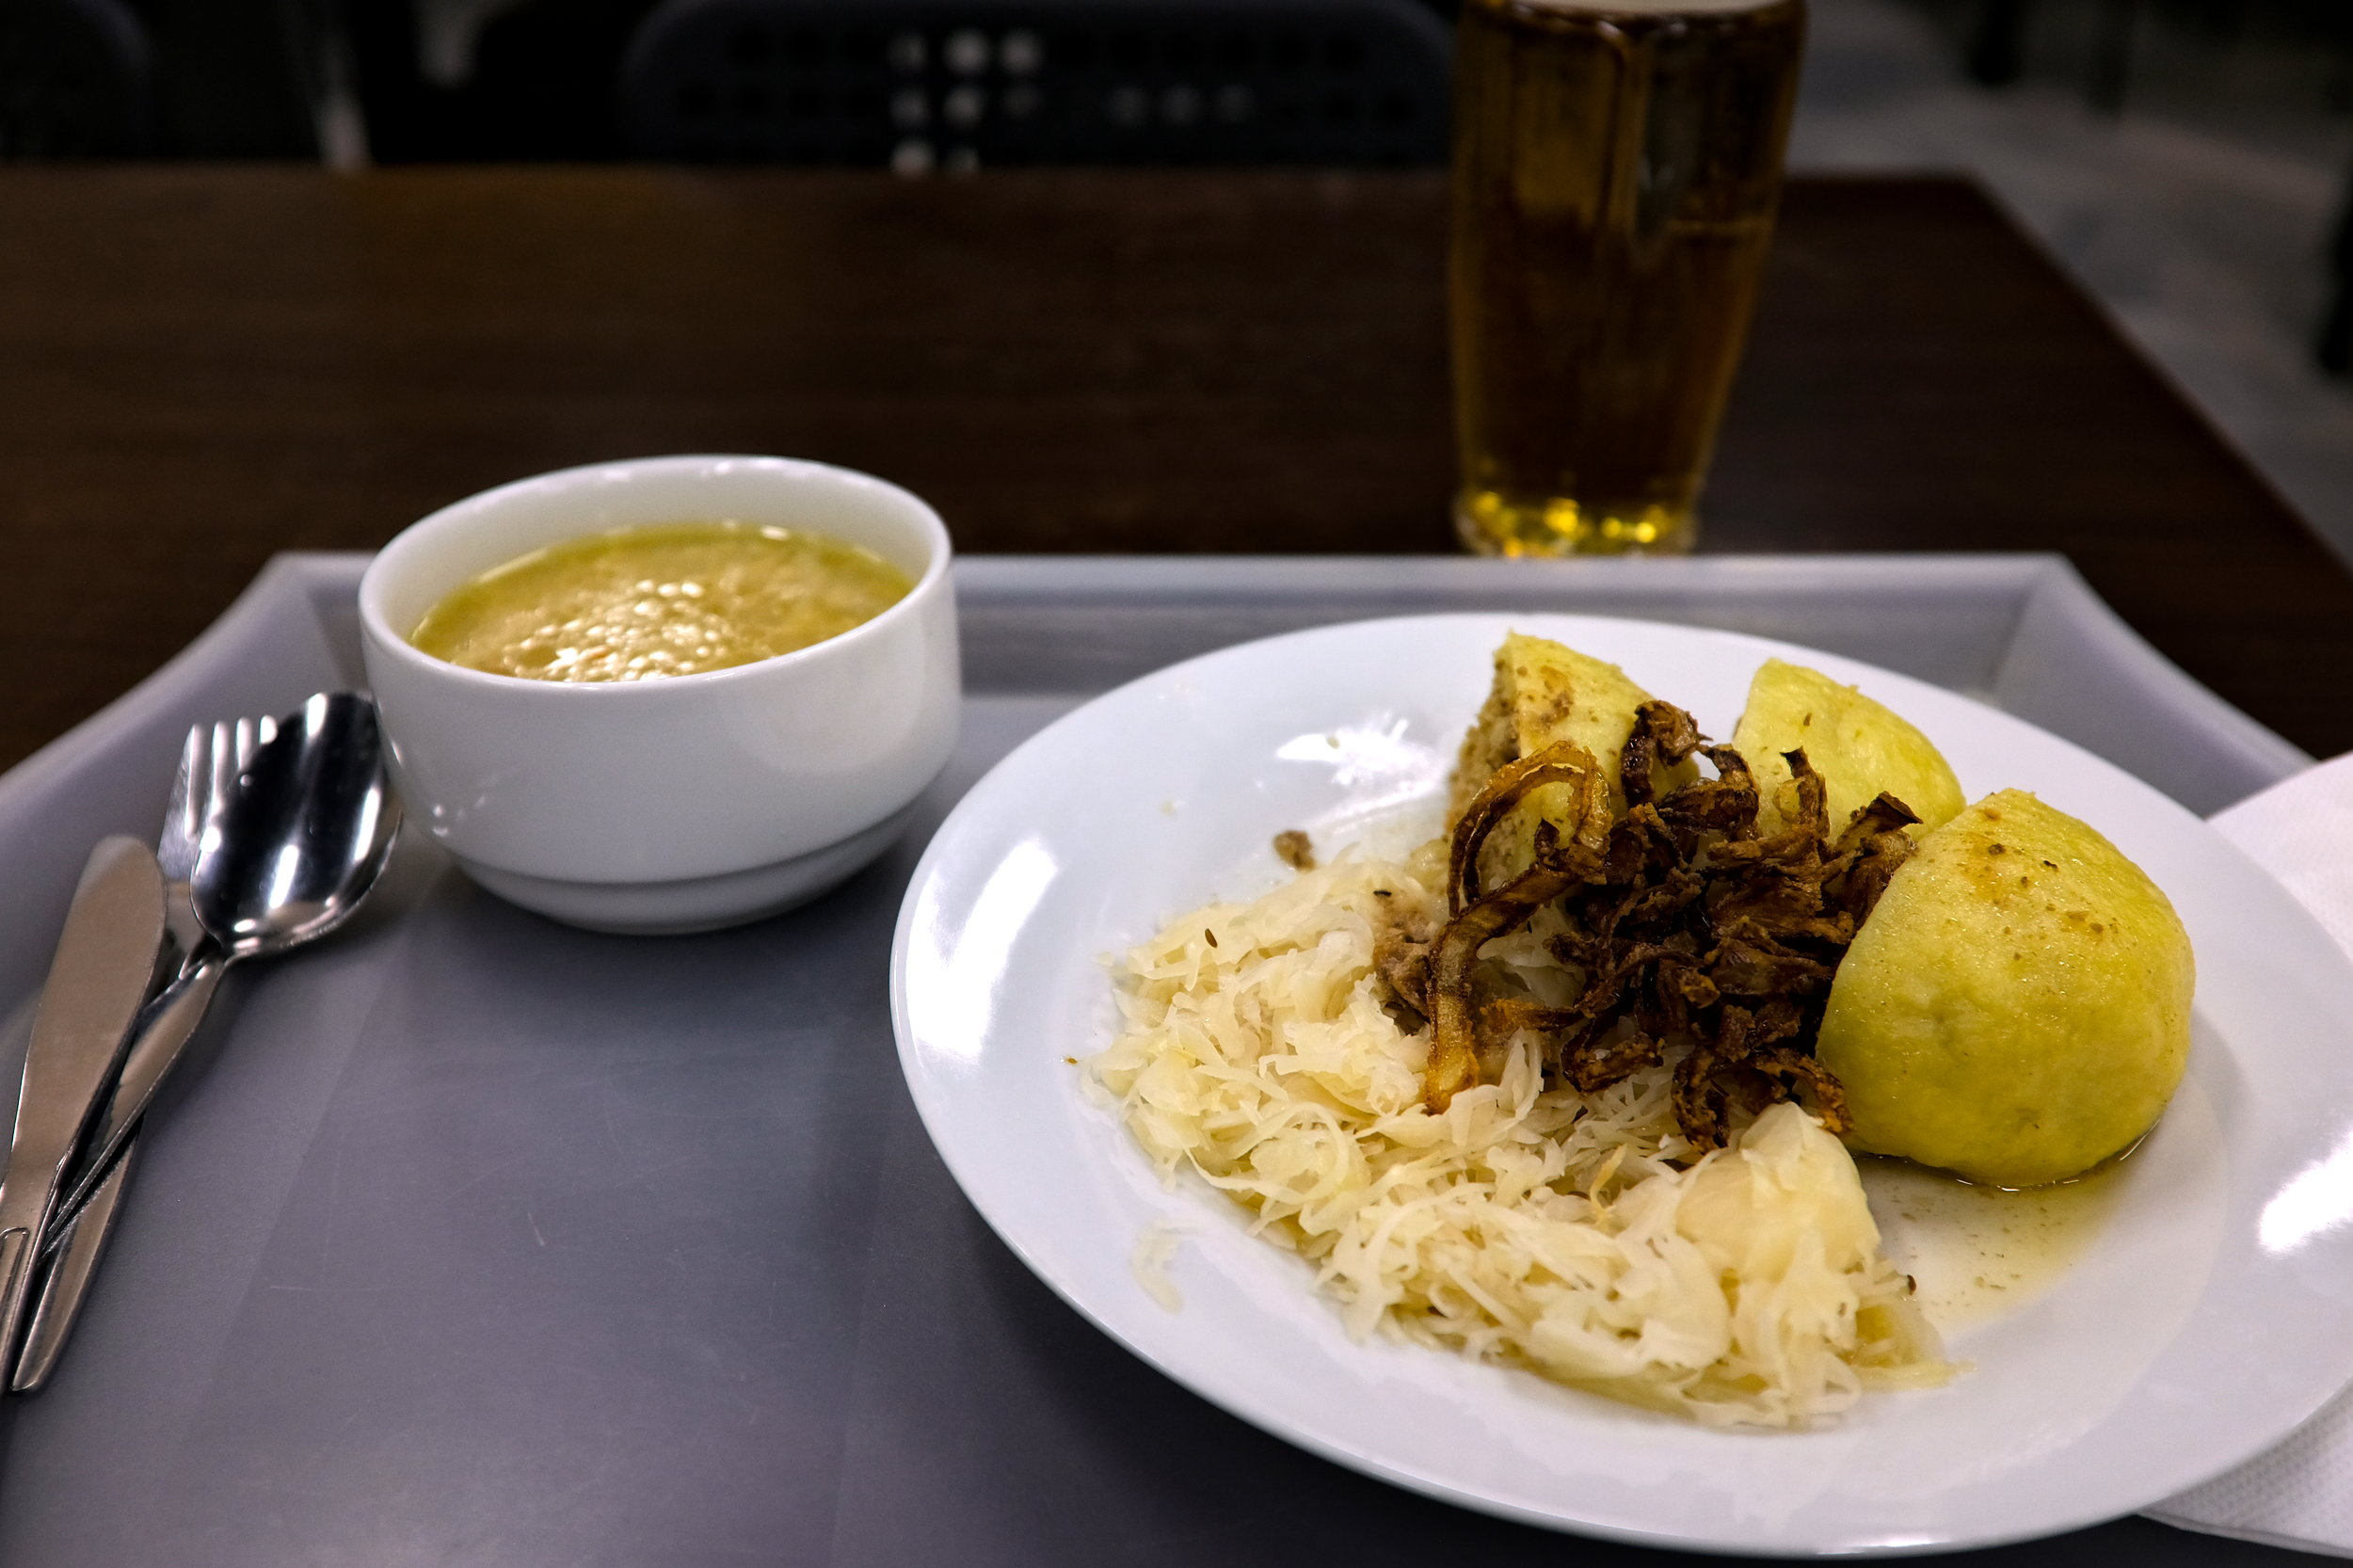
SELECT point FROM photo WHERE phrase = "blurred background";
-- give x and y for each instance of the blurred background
(2188, 161)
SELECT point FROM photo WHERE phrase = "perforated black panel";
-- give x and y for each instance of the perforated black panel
(917, 84)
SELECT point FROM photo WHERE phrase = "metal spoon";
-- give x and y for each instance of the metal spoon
(291, 841)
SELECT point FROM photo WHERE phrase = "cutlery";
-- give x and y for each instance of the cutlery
(67, 1282)
(292, 839)
(105, 964)
(84, 1238)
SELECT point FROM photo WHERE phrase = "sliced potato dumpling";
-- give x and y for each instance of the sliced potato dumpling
(1858, 747)
(1545, 692)
(2016, 1009)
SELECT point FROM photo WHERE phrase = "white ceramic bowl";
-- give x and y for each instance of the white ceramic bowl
(689, 802)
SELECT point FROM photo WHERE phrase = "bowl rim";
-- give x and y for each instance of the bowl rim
(379, 632)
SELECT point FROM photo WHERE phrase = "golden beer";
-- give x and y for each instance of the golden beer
(1616, 167)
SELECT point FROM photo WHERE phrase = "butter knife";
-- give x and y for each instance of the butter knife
(72, 1257)
(74, 1251)
(104, 965)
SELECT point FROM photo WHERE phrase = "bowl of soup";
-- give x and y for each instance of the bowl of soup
(666, 694)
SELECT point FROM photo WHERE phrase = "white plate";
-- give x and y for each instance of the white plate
(2213, 1313)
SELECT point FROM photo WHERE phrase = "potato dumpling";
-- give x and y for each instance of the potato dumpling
(2016, 1009)
(1545, 692)
(1858, 747)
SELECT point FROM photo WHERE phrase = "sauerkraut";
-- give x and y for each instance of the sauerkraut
(1576, 1235)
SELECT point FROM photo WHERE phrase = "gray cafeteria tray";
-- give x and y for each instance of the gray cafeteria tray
(469, 1239)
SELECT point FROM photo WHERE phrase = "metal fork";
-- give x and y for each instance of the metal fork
(210, 763)
(172, 1015)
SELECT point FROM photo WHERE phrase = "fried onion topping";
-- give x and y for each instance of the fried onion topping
(1564, 762)
(1689, 930)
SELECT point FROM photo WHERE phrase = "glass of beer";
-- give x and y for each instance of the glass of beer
(1616, 167)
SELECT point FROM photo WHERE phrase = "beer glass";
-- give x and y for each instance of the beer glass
(1616, 169)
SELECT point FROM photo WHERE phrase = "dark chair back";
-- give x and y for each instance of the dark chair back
(956, 84)
(74, 79)
(2334, 347)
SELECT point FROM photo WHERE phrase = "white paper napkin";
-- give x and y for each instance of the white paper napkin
(2300, 1494)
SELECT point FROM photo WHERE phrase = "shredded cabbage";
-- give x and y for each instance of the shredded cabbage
(1576, 1235)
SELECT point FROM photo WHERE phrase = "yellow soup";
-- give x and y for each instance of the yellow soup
(675, 600)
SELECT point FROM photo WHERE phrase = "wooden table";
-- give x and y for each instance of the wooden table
(199, 367)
